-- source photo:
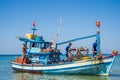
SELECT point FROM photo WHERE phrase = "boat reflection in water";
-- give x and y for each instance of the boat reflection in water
(31, 76)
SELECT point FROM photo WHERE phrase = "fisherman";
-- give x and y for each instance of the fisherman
(24, 53)
(94, 49)
(68, 50)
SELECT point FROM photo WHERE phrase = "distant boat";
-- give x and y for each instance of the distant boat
(41, 58)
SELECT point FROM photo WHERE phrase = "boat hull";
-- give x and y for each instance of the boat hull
(84, 67)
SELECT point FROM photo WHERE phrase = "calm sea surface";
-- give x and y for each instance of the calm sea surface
(6, 72)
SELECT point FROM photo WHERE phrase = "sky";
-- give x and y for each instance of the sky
(78, 20)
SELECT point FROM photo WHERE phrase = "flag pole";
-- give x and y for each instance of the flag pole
(98, 36)
(34, 29)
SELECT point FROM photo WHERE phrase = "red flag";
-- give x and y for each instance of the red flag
(98, 23)
(34, 23)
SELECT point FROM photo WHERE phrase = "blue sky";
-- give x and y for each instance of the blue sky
(78, 19)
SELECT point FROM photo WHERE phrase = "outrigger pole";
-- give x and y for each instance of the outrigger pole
(76, 39)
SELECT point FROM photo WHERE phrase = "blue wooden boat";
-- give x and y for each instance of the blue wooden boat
(41, 58)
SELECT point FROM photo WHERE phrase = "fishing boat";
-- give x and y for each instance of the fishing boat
(42, 58)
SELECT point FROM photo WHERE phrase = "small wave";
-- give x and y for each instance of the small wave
(118, 71)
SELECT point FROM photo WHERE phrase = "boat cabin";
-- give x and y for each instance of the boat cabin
(40, 51)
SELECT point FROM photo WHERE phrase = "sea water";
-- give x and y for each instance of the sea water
(6, 72)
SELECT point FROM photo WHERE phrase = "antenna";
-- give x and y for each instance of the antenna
(58, 30)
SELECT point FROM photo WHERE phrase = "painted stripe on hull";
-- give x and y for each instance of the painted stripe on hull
(74, 68)
(58, 66)
(92, 69)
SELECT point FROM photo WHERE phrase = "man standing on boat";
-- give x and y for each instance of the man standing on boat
(24, 53)
(68, 50)
(94, 49)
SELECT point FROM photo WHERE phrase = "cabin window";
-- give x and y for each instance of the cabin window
(42, 46)
(37, 45)
(28, 45)
(33, 44)
(45, 45)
